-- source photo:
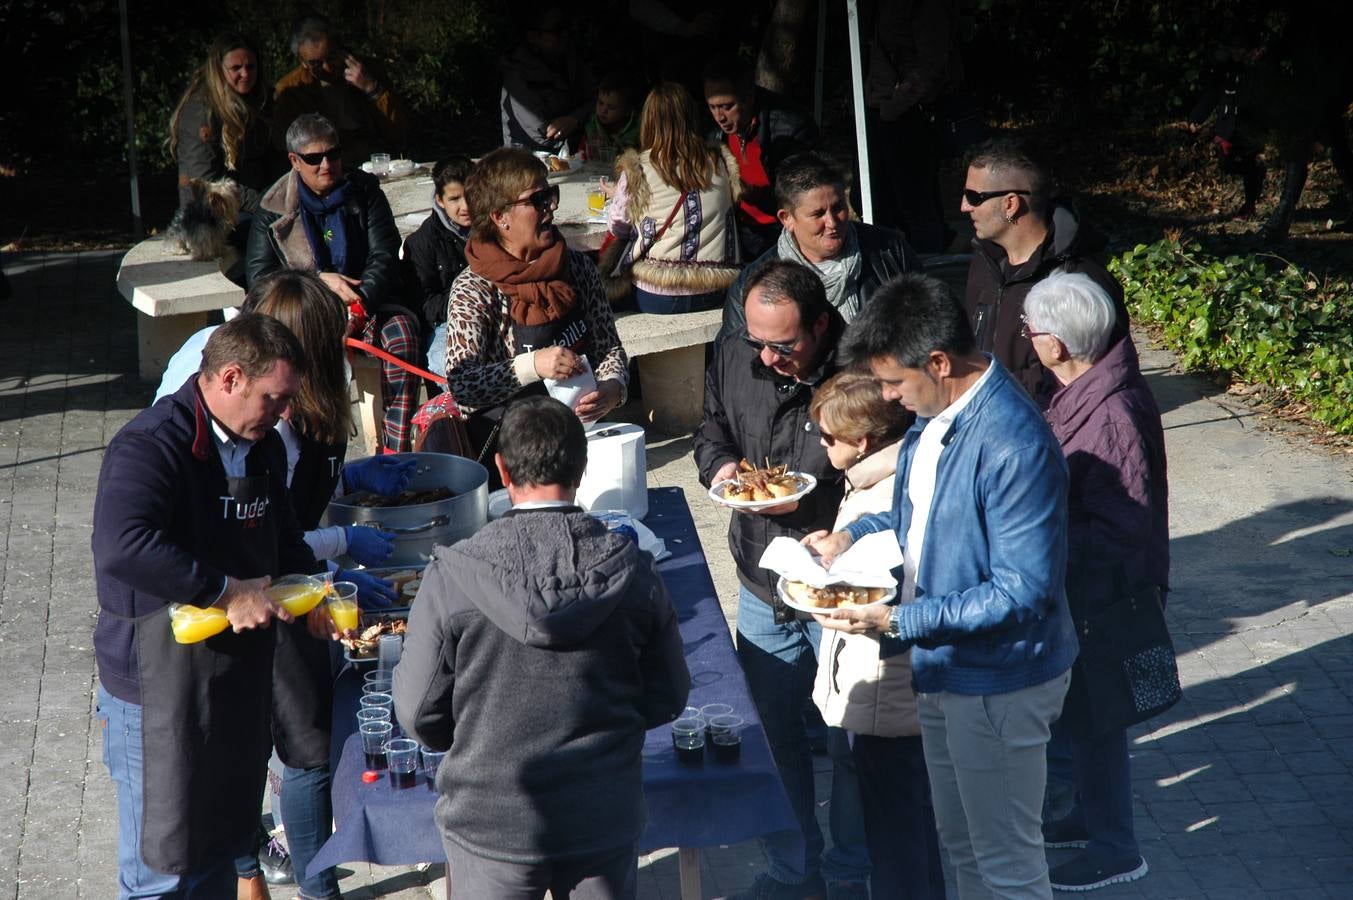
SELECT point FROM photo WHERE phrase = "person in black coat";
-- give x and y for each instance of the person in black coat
(435, 253)
(852, 259)
(320, 218)
(762, 130)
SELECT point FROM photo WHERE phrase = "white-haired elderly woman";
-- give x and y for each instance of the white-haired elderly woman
(320, 218)
(1108, 424)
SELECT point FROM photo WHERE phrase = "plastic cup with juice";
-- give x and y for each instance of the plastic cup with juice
(342, 605)
(297, 594)
(191, 624)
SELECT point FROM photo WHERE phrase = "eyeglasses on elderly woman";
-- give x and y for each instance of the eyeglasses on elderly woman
(544, 199)
(1027, 332)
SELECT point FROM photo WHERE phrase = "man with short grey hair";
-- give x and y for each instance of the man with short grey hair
(334, 83)
(322, 217)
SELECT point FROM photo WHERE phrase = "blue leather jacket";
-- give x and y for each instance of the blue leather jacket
(990, 615)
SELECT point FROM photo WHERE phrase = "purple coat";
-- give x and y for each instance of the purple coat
(1109, 427)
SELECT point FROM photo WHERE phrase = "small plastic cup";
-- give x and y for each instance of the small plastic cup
(375, 675)
(388, 651)
(432, 760)
(372, 714)
(401, 756)
(341, 602)
(374, 737)
(688, 737)
(709, 711)
(378, 698)
(725, 737)
(378, 686)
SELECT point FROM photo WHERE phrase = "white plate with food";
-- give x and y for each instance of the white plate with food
(752, 488)
(809, 599)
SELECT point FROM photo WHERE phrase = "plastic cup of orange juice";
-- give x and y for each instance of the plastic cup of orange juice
(341, 603)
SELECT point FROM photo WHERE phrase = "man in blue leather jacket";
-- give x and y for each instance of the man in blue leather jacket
(980, 511)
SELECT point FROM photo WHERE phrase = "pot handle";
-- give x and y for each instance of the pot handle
(436, 522)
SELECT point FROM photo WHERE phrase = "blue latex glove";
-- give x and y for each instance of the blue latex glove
(372, 592)
(369, 546)
(384, 475)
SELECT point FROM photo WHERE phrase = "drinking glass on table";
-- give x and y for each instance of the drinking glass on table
(726, 737)
(432, 760)
(688, 737)
(374, 737)
(596, 201)
(380, 164)
(401, 755)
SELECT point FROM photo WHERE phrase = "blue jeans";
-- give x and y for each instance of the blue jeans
(666, 304)
(436, 351)
(848, 858)
(780, 662)
(307, 815)
(1104, 797)
(899, 818)
(120, 722)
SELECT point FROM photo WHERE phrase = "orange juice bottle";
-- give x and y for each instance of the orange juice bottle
(193, 623)
(297, 594)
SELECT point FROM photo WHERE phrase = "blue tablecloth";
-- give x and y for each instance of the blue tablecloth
(715, 804)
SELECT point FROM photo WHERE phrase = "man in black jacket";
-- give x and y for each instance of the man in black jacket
(1022, 234)
(539, 652)
(762, 130)
(757, 392)
(435, 254)
(193, 508)
(320, 218)
(852, 259)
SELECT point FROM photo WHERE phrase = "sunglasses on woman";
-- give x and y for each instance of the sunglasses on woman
(543, 199)
(313, 159)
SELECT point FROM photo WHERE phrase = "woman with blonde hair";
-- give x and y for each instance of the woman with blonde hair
(860, 689)
(674, 208)
(219, 128)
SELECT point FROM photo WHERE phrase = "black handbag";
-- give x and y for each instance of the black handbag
(1126, 671)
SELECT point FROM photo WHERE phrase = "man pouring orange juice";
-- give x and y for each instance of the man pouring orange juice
(186, 725)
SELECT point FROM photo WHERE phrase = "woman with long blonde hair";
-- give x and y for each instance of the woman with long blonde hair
(219, 128)
(674, 206)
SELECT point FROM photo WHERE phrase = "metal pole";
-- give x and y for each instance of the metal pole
(821, 57)
(137, 229)
(857, 88)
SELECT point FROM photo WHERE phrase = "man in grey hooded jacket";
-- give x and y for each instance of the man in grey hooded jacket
(538, 653)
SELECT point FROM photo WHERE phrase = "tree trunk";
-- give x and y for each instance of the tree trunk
(780, 47)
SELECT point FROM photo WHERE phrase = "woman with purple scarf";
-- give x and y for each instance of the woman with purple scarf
(1108, 424)
(338, 224)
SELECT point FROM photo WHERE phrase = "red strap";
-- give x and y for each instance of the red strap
(394, 360)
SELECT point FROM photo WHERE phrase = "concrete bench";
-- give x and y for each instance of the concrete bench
(670, 353)
(173, 297)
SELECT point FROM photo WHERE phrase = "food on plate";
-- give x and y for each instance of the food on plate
(833, 595)
(557, 164)
(409, 590)
(364, 644)
(753, 484)
(405, 498)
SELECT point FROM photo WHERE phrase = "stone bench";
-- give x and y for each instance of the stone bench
(670, 353)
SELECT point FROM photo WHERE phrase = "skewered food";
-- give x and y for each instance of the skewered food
(753, 484)
(833, 595)
(365, 643)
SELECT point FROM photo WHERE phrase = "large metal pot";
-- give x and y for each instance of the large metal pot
(420, 527)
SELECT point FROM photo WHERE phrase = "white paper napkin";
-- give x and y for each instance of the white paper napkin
(575, 387)
(868, 562)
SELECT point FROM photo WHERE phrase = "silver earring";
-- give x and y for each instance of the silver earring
(1009, 219)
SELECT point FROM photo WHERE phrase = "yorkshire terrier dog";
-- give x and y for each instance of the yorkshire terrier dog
(202, 228)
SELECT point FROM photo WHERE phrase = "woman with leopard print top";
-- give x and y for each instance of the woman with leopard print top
(525, 308)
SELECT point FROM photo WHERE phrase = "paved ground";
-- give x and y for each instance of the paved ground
(1244, 790)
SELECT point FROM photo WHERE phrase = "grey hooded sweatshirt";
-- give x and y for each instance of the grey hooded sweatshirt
(538, 653)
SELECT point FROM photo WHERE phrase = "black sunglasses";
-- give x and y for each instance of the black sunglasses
(827, 437)
(313, 159)
(977, 198)
(543, 199)
(781, 350)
